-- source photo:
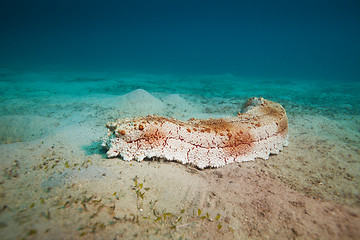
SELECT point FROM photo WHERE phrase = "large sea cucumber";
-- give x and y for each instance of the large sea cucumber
(259, 130)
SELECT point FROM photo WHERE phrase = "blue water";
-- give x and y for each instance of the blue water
(256, 39)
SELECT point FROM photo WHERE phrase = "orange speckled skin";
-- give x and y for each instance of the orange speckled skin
(261, 130)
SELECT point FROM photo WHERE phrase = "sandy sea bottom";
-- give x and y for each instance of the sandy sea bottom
(57, 183)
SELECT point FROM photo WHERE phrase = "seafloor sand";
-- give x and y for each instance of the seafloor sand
(56, 183)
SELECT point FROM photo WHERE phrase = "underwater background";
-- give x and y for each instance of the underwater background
(69, 67)
(281, 39)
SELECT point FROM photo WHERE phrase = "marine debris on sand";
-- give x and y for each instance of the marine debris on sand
(259, 130)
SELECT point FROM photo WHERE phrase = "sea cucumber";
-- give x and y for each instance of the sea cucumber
(260, 129)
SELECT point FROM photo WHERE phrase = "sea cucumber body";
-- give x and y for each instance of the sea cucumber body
(258, 132)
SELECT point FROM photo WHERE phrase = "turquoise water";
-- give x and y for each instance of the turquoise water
(78, 96)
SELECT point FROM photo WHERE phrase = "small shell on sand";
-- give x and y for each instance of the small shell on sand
(259, 130)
